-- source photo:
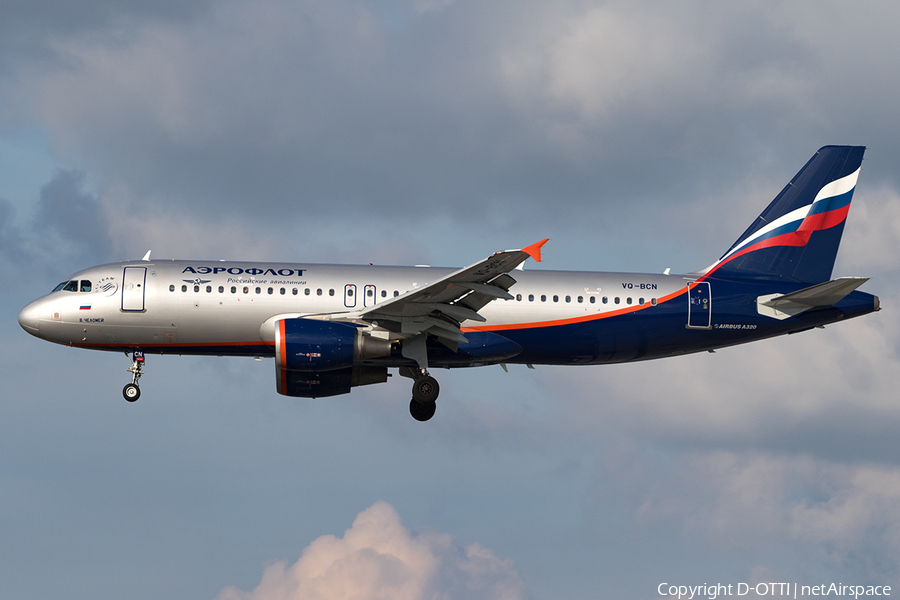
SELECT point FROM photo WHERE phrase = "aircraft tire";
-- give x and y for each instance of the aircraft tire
(421, 411)
(131, 392)
(426, 389)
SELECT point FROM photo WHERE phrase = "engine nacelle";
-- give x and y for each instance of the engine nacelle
(313, 345)
(315, 359)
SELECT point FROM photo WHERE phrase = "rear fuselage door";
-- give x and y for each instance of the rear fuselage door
(133, 285)
(699, 305)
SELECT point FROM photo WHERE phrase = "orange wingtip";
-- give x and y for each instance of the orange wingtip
(534, 250)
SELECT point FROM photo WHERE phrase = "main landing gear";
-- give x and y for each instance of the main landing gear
(425, 391)
(132, 392)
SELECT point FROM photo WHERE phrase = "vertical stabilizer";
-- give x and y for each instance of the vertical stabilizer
(797, 236)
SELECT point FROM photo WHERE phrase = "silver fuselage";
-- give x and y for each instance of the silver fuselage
(217, 308)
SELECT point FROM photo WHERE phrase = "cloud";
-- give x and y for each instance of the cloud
(831, 393)
(325, 107)
(844, 516)
(379, 558)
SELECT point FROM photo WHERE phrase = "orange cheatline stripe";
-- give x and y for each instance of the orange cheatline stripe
(174, 344)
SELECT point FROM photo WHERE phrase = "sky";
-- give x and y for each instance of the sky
(637, 136)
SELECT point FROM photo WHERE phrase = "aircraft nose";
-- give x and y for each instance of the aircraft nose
(29, 318)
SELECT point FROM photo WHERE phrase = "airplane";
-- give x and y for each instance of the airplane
(331, 328)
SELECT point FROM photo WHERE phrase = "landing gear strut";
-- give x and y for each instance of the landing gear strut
(425, 391)
(132, 392)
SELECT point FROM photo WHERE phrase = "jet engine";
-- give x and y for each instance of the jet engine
(319, 358)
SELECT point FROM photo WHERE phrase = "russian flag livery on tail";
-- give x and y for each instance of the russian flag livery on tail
(797, 237)
(331, 328)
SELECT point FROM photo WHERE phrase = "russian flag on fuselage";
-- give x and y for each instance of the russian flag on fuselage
(797, 236)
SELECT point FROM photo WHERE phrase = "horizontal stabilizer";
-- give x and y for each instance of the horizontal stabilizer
(782, 306)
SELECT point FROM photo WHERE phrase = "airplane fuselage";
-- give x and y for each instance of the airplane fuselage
(556, 317)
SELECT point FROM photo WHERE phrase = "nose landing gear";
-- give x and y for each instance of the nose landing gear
(132, 392)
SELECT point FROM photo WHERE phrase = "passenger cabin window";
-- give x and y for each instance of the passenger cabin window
(593, 299)
(172, 288)
(543, 298)
(209, 289)
(233, 290)
(281, 291)
(568, 298)
(221, 289)
(184, 288)
(531, 297)
(85, 285)
(555, 298)
(319, 292)
(258, 290)
(196, 288)
(384, 293)
(270, 291)
(331, 292)
(306, 292)
(294, 291)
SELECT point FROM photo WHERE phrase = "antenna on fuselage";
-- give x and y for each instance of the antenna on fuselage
(147, 256)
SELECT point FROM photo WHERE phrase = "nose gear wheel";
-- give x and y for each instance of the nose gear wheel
(131, 392)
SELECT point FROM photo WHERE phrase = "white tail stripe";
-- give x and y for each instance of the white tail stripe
(838, 186)
(830, 190)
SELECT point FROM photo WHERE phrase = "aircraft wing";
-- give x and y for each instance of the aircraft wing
(439, 307)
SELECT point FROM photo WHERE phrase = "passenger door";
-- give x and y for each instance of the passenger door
(133, 285)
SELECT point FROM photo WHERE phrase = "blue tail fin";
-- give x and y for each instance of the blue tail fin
(796, 237)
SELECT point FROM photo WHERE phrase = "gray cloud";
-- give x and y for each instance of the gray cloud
(468, 111)
(70, 220)
(844, 516)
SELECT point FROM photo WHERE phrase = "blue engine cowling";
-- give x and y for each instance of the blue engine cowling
(310, 345)
(316, 358)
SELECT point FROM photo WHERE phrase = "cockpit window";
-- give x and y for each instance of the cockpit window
(85, 285)
(71, 286)
(60, 286)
